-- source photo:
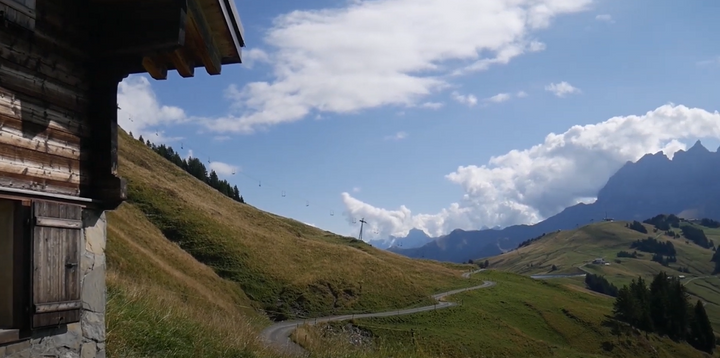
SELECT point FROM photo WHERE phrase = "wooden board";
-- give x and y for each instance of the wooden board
(56, 265)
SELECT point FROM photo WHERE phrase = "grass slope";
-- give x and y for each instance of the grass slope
(519, 317)
(193, 273)
(571, 250)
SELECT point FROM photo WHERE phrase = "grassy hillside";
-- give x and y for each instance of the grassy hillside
(570, 251)
(519, 317)
(213, 272)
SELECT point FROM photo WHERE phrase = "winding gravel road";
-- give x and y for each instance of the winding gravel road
(278, 335)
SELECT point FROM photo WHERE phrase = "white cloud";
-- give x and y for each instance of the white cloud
(536, 46)
(525, 186)
(521, 94)
(309, 224)
(397, 136)
(253, 56)
(713, 61)
(562, 89)
(140, 112)
(356, 189)
(369, 54)
(224, 169)
(432, 105)
(605, 18)
(469, 100)
(500, 97)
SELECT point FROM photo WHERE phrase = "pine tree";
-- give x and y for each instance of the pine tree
(141, 139)
(702, 336)
(236, 193)
(624, 308)
(678, 310)
(640, 292)
(131, 135)
(213, 180)
(487, 263)
(242, 200)
(659, 302)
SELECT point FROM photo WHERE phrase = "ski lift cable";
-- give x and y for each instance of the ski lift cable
(263, 183)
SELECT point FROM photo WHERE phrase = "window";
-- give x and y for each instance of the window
(40, 251)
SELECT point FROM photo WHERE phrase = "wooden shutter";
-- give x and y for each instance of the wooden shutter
(19, 12)
(56, 239)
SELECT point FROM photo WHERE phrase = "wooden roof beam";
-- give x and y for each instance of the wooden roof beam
(199, 31)
(155, 67)
(183, 63)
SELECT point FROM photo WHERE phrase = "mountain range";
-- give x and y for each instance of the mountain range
(688, 185)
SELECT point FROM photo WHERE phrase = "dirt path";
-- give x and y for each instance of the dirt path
(278, 335)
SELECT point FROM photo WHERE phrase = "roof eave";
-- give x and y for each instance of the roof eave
(232, 20)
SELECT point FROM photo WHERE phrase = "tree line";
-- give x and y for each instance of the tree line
(196, 168)
(665, 308)
(599, 284)
(530, 241)
(697, 236)
(637, 226)
(664, 222)
(654, 246)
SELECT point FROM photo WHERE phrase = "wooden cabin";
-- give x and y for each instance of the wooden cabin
(60, 65)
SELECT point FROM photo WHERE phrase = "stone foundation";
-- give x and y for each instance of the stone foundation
(85, 339)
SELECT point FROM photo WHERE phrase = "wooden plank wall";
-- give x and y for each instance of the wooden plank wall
(44, 92)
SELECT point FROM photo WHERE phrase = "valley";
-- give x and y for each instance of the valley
(216, 273)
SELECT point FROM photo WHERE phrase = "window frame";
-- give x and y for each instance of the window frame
(20, 327)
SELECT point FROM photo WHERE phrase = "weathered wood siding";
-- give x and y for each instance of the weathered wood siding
(56, 263)
(44, 90)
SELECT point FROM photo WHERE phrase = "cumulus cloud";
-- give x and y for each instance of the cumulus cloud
(141, 113)
(469, 99)
(500, 97)
(397, 136)
(562, 89)
(529, 185)
(605, 18)
(253, 56)
(521, 94)
(224, 169)
(368, 54)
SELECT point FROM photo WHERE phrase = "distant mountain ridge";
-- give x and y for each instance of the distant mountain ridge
(688, 186)
(414, 238)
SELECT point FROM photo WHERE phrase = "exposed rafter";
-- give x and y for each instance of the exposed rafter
(155, 68)
(199, 31)
(183, 63)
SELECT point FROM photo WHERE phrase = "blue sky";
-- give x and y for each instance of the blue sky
(352, 96)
